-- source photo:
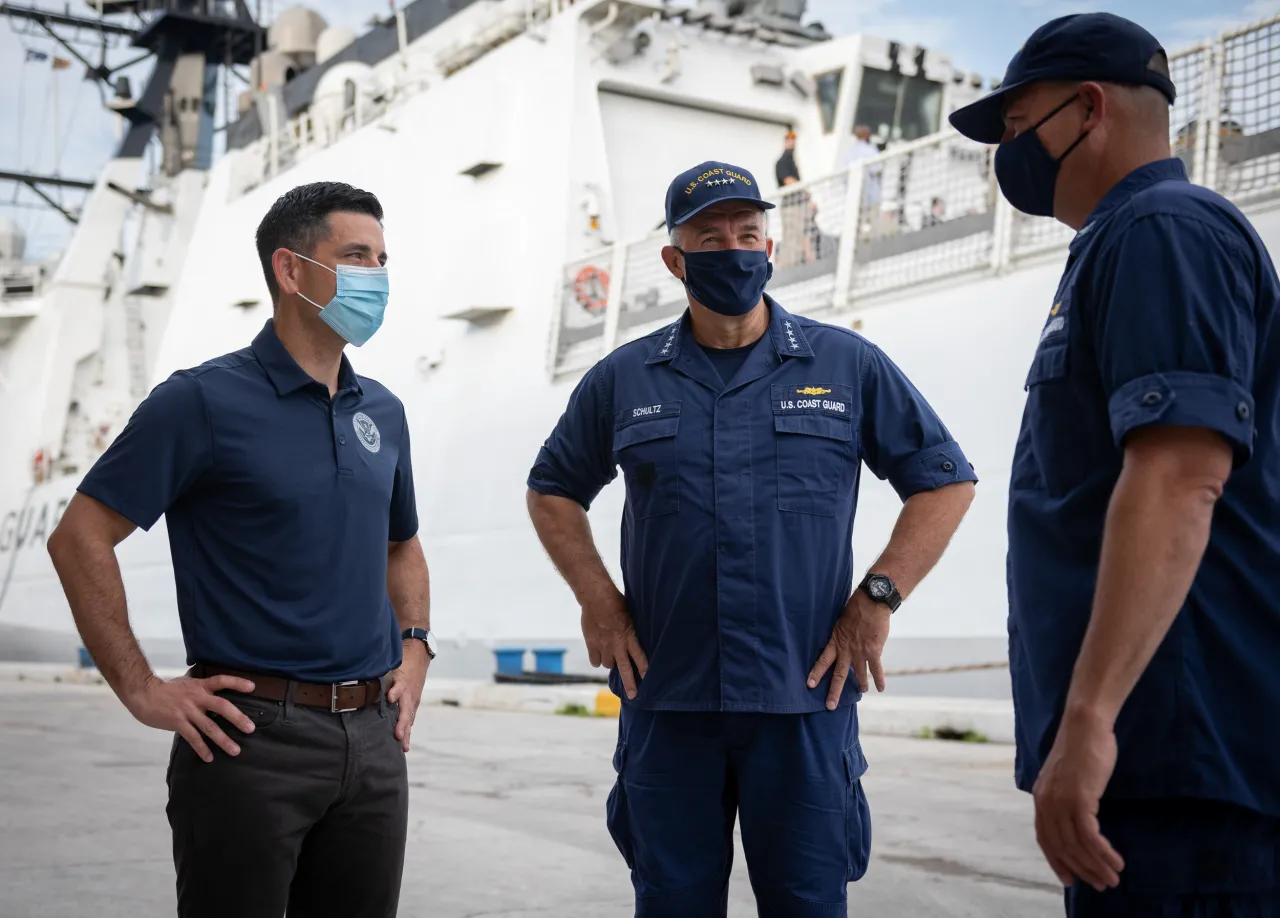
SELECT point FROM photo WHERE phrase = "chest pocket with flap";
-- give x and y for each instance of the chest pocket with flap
(1053, 422)
(814, 426)
(644, 446)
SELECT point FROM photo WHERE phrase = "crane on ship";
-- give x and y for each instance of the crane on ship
(189, 40)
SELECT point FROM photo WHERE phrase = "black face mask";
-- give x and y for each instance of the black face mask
(1027, 174)
(727, 281)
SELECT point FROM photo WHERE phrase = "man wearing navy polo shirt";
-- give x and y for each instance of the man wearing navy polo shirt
(740, 430)
(1144, 505)
(286, 484)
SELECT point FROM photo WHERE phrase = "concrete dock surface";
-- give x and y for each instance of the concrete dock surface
(507, 819)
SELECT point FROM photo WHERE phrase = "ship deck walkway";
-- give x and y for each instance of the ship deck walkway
(506, 818)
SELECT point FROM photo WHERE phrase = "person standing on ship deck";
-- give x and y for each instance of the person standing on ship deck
(1144, 505)
(739, 430)
(286, 483)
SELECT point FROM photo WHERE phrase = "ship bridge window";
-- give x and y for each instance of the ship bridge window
(896, 106)
(828, 87)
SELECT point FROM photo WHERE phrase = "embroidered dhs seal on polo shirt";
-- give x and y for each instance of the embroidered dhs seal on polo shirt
(367, 432)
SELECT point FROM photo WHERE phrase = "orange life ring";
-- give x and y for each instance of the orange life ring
(591, 287)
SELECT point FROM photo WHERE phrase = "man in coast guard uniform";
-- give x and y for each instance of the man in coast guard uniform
(740, 430)
(1144, 508)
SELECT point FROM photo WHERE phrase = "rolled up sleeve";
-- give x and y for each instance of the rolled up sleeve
(902, 439)
(576, 461)
(1175, 330)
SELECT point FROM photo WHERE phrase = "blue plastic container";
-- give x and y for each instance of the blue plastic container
(510, 660)
(549, 659)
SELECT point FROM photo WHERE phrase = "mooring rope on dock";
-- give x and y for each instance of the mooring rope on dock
(939, 670)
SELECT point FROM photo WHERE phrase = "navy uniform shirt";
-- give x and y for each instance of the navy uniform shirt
(279, 507)
(1166, 315)
(737, 529)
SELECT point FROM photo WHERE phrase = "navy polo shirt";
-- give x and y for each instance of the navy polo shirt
(737, 529)
(279, 505)
(1166, 314)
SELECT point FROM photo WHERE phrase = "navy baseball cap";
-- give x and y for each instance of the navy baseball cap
(708, 183)
(1083, 46)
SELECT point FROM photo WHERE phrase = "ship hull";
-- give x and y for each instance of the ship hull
(477, 332)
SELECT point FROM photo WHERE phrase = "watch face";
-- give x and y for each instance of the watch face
(431, 643)
(878, 588)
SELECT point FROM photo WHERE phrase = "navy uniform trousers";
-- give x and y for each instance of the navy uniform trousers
(792, 779)
(1186, 859)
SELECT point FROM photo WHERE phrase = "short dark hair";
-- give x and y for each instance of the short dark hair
(299, 220)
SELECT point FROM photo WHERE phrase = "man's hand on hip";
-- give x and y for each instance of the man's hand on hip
(611, 638)
(856, 641)
(181, 706)
(406, 687)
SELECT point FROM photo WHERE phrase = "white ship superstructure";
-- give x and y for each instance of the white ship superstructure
(521, 149)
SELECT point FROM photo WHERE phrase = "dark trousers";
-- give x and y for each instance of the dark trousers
(310, 816)
(794, 781)
(1186, 859)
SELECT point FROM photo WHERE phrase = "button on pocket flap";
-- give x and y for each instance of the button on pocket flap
(814, 425)
(645, 431)
(855, 763)
(1050, 363)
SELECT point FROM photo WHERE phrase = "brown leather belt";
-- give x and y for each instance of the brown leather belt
(338, 697)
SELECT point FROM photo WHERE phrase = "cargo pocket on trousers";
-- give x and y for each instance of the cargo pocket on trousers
(857, 814)
(616, 815)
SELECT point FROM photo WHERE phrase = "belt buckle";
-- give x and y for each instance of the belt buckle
(333, 696)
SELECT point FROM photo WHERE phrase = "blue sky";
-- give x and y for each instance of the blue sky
(979, 35)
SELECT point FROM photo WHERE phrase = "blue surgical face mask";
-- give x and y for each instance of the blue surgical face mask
(358, 304)
(1027, 174)
(727, 281)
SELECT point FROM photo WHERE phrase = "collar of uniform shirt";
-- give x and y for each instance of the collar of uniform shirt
(788, 337)
(1163, 170)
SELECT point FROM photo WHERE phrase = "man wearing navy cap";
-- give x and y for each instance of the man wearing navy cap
(1144, 506)
(739, 430)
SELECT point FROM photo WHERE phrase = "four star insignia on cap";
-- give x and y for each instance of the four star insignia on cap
(723, 181)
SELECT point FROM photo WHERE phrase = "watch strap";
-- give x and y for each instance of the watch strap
(893, 599)
(419, 634)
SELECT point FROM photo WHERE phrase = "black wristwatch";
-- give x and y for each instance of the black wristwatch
(421, 634)
(881, 589)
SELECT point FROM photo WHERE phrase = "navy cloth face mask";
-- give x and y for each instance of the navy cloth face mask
(1027, 174)
(727, 281)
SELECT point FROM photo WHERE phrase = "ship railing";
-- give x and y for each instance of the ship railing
(311, 131)
(930, 211)
(416, 69)
(923, 212)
